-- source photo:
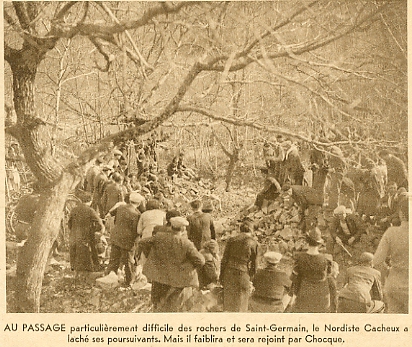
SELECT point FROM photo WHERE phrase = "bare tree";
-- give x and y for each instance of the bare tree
(176, 50)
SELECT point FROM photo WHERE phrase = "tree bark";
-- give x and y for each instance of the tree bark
(34, 254)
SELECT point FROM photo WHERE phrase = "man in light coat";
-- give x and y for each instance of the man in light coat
(171, 265)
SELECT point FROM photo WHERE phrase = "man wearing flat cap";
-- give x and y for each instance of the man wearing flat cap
(271, 286)
(238, 267)
(172, 261)
(362, 291)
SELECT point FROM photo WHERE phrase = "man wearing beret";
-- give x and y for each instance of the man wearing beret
(172, 261)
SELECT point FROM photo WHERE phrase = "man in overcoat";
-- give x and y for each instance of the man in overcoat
(238, 267)
(171, 265)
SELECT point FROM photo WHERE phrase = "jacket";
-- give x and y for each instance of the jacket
(355, 226)
(363, 284)
(241, 254)
(124, 233)
(200, 229)
(112, 194)
(271, 283)
(83, 223)
(171, 259)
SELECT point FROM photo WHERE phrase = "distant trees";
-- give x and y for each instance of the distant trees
(306, 66)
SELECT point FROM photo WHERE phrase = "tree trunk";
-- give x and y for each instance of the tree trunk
(33, 256)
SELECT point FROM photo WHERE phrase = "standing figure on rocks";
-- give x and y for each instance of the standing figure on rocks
(310, 283)
(84, 223)
(201, 228)
(396, 168)
(238, 267)
(123, 237)
(171, 266)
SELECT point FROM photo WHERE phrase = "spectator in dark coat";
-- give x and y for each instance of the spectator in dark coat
(91, 174)
(311, 285)
(171, 265)
(238, 267)
(271, 287)
(345, 228)
(84, 223)
(99, 184)
(113, 193)
(397, 171)
(201, 228)
(123, 236)
(209, 273)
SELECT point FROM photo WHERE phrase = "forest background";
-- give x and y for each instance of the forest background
(216, 78)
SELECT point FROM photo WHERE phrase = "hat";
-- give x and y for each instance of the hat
(365, 257)
(107, 168)
(136, 198)
(341, 210)
(315, 235)
(178, 222)
(117, 152)
(272, 257)
(14, 143)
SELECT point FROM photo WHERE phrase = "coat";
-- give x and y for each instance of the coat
(240, 254)
(363, 283)
(271, 283)
(171, 260)
(83, 223)
(200, 229)
(355, 226)
(149, 220)
(395, 244)
(124, 233)
(112, 194)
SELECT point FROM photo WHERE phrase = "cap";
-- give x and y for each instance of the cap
(315, 235)
(272, 257)
(366, 257)
(107, 168)
(136, 197)
(178, 222)
(117, 152)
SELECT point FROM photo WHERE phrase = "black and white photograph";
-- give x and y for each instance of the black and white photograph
(207, 157)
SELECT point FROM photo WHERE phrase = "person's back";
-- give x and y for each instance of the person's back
(362, 292)
(113, 193)
(360, 280)
(172, 260)
(241, 254)
(150, 218)
(395, 244)
(200, 229)
(124, 232)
